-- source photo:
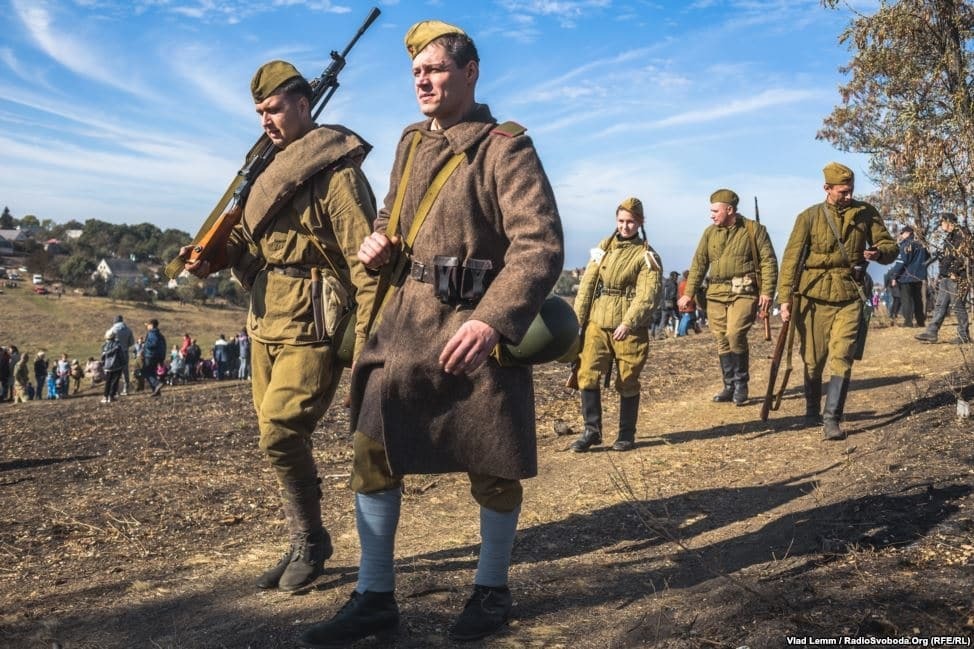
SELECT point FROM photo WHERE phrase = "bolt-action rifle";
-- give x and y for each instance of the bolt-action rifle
(772, 398)
(210, 242)
(765, 313)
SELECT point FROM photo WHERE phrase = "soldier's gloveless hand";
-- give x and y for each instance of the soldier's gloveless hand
(199, 268)
(375, 251)
(469, 347)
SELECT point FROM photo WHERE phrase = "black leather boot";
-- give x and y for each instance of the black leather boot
(365, 614)
(813, 401)
(628, 414)
(727, 368)
(741, 377)
(592, 415)
(486, 611)
(834, 406)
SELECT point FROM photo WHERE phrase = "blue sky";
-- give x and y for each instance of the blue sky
(139, 110)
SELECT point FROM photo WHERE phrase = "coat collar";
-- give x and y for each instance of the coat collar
(465, 133)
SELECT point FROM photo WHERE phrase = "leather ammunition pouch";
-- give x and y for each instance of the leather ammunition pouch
(454, 283)
(744, 284)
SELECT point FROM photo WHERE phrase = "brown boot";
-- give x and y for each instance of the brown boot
(310, 545)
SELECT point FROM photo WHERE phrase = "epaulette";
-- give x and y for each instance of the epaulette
(653, 261)
(509, 129)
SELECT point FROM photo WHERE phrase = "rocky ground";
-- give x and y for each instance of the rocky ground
(144, 523)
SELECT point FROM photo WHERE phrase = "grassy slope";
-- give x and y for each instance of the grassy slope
(76, 324)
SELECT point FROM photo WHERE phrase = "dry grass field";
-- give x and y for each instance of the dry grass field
(76, 324)
(143, 524)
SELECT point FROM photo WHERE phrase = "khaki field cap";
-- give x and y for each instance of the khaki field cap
(425, 32)
(269, 78)
(634, 206)
(836, 174)
(725, 196)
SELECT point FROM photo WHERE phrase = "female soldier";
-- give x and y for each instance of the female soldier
(615, 299)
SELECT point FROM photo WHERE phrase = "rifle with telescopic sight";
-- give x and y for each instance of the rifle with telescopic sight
(210, 243)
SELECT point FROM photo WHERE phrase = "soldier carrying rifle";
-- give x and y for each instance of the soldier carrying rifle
(736, 256)
(295, 248)
(842, 235)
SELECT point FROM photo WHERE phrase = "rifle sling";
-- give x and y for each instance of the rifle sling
(845, 253)
(750, 227)
(382, 291)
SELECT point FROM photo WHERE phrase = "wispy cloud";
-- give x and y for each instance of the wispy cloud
(235, 11)
(72, 50)
(766, 99)
(566, 12)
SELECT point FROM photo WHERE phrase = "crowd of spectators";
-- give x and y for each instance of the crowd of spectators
(127, 364)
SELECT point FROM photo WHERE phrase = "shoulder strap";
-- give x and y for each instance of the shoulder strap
(392, 228)
(845, 253)
(509, 129)
(422, 211)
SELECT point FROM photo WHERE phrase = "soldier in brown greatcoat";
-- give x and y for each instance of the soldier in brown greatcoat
(427, 395)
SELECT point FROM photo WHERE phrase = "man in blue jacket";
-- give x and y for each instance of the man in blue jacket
(153, 355)
(908, 273)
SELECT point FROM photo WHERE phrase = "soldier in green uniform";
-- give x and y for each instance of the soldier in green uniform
(840, 235)
(295, 248)
(743, 272)
(614, 306)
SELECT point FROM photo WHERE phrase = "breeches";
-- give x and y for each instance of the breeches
(828, 333)
(370, 473)
(730, 322)
(598, 352)
(293, 386)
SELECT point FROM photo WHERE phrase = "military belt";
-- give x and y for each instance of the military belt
(298, 272)
(421, 272)
(616, 291)
(717, 280)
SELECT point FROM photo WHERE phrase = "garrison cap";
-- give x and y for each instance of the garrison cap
(725, 196)
(269, 78)
(425, 32)
(838, 174)
(634, 206)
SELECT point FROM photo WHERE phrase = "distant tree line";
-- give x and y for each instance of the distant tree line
(72, 261)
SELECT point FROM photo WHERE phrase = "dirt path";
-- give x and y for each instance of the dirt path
(144, 524)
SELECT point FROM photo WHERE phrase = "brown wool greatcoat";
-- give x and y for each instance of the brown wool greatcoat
(497, 205)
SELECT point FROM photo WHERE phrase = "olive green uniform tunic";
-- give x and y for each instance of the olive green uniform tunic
(726, 253)
(311, 201)
(829, 307)
(620, 286)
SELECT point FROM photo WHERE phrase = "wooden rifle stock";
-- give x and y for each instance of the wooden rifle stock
(779, 348)
(786, 336)
(767, 323)
(212, 246)
(572, 382)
